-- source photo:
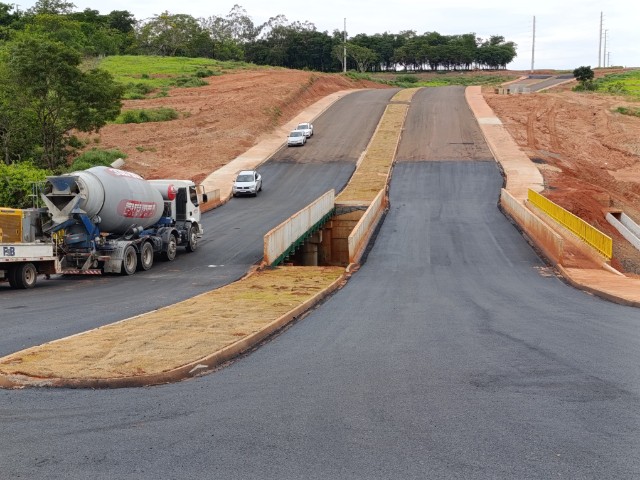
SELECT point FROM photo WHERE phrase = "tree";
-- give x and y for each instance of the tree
(363, 56)
(49, 88)
(583, 74)
(61, 29)
(495, 52)
(18, 135)
(52, 7)
(6, 17)
(16, 184)
(171, 35)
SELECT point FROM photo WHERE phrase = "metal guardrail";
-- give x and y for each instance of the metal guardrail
(591, 235)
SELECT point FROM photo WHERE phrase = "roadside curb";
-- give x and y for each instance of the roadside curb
(264, 150)
(514, 163)
(227, 353)
(189, 370)
(595, 291)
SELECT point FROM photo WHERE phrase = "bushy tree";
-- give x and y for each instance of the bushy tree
(47, 86)
(17, 184)
(583, 74)
(174, 35)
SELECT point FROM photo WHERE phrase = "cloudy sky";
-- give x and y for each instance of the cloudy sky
(567, 32)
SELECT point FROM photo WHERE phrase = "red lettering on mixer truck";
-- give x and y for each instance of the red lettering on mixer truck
(136, 209)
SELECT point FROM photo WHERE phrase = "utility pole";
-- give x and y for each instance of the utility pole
(344, 47)
(600, 43)
(533, 43)
(604, 52)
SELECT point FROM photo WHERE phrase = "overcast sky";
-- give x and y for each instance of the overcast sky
(567, 32)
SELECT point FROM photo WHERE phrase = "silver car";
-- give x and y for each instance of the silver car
(296, 137)
(307, 128)
(248, 182)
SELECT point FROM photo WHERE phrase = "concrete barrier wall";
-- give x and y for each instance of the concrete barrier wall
(630, 224)
(279, 239)
(359, 237)
(549, 242)
(213, 200)
(627, 228)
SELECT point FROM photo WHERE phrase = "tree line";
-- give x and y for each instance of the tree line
(47, 91)
(235, 36)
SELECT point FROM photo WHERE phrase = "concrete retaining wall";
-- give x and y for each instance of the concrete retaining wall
(548, 241)
(279, 239)
(627, 228)
(359, 237)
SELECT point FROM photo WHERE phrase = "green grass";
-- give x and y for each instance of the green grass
(145, 75)
(433, 79)
(626, 83)
(634, 112)
(147, 115)
(94, 157)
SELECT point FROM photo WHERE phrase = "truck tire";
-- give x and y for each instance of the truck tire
(169, 254)
(129, 261)
(11, 276)
(145, 257)
(192, 239)
(25, 275)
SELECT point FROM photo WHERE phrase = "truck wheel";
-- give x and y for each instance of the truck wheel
(129, 261)
(11, 276)
(192, 241)
(145, 257)
(25, 275)
(172, 247)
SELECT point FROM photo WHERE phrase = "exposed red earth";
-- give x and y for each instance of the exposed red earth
(588, 154)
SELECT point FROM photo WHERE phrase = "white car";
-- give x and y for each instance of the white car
(248, 182)
(307, 128)
(296, 137)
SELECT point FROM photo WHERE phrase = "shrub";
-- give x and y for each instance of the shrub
(634, 112)
(407, 79)
(203, 72)
(75, 142)
(137, 91)
(17, 183)
(583, 74)
(148, 115)
(95, 157)
(186, 82)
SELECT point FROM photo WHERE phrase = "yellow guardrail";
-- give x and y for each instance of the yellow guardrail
(582, 229)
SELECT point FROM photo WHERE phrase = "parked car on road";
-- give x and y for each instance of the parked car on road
(307, 128)
(248, 182)
(296, 137)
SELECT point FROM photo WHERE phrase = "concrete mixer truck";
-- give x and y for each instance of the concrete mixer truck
(100, 220)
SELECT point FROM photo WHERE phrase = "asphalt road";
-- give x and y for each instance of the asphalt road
(232, 243)
(454, 352)
(439, 127)
(546, 81)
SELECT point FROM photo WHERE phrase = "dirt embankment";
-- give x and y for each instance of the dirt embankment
(218, 121)
(588, 154)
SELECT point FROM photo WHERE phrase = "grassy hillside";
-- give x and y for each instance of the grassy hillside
(145, 76)
(626, 83)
